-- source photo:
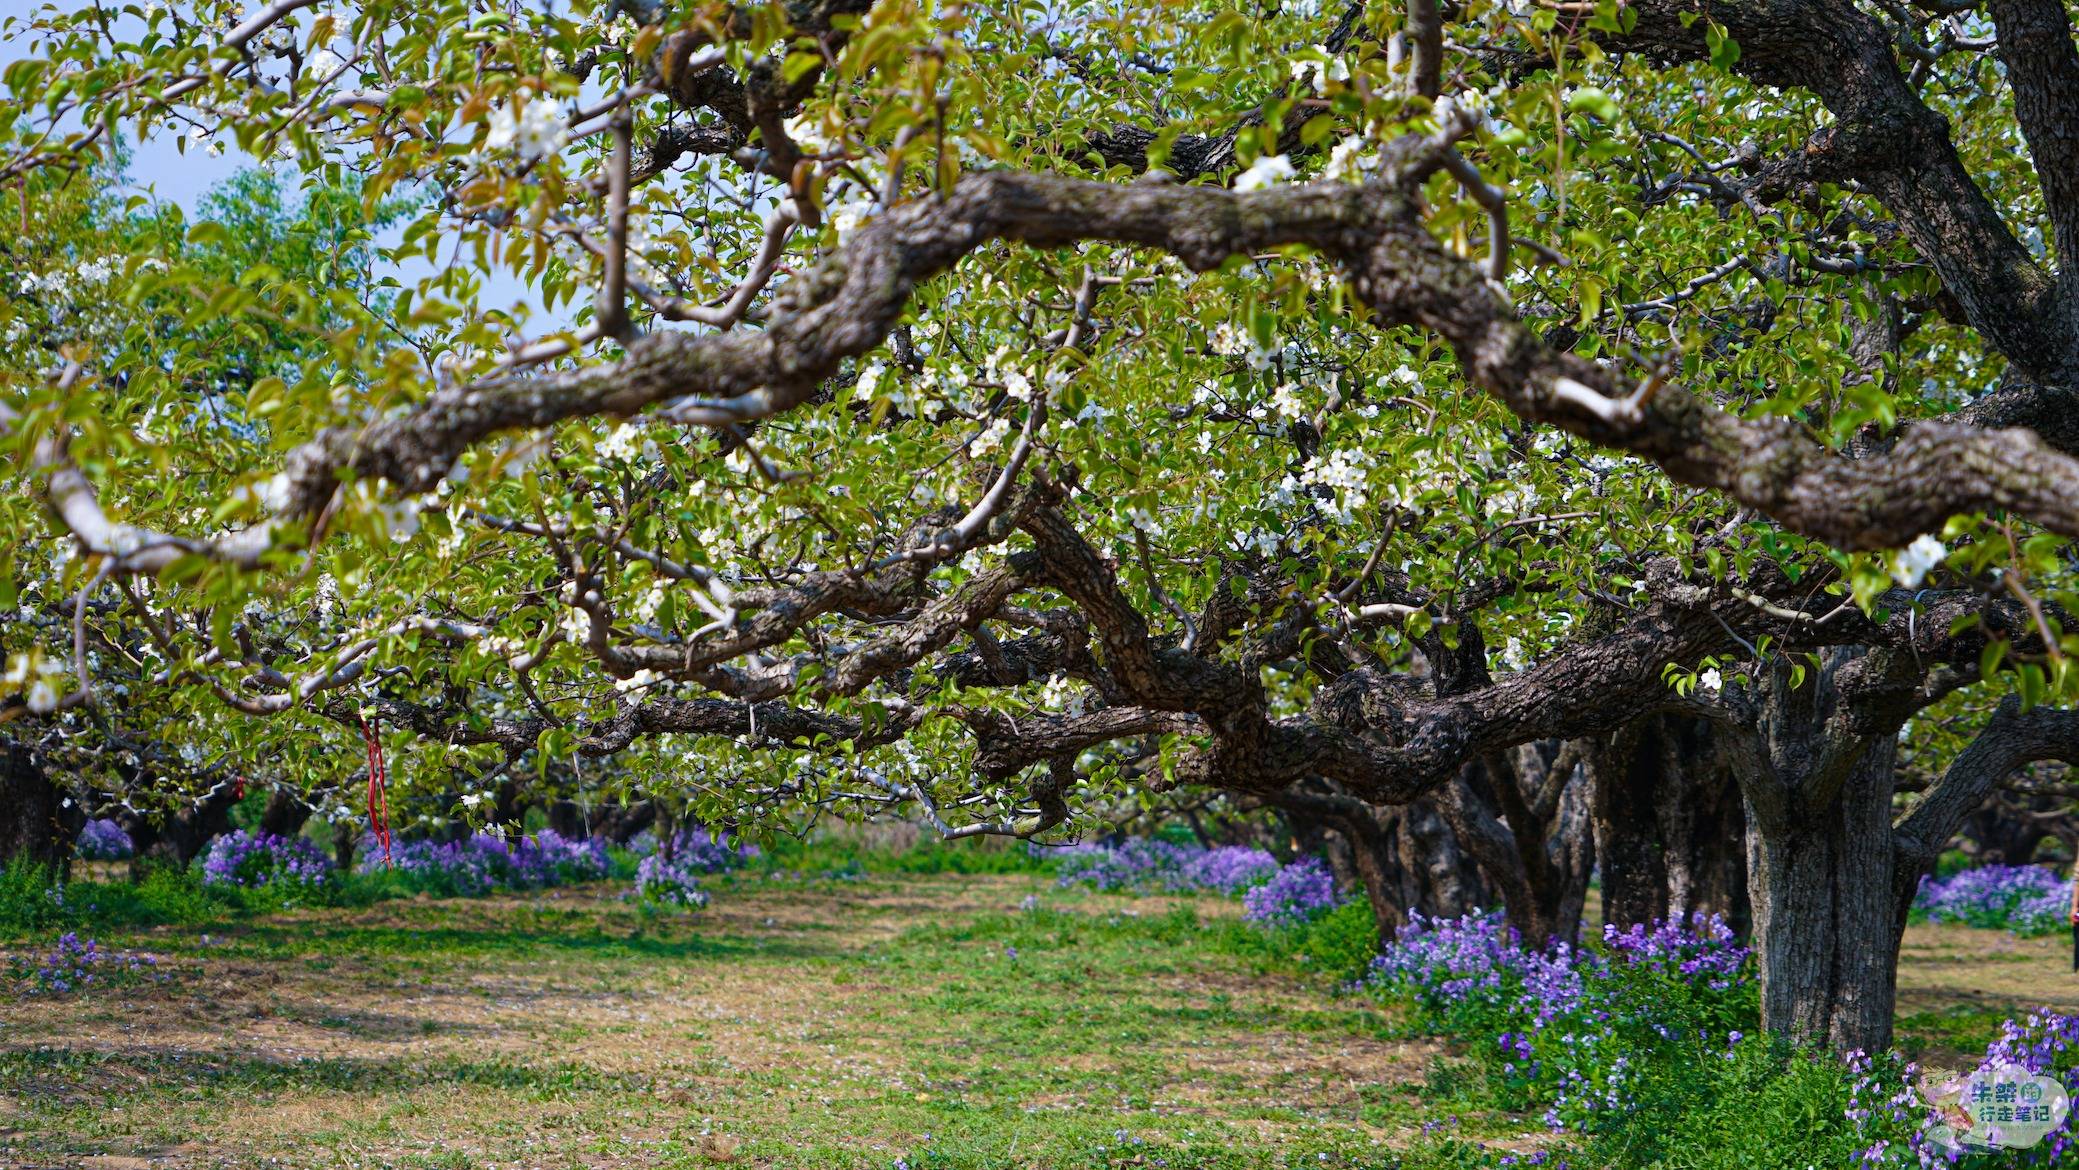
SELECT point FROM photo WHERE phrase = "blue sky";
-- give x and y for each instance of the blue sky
(158, 168)
(156, 164)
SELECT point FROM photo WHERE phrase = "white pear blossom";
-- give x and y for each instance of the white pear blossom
(1287, 402)
(528, 126)
(807, 132)
(847, 217)
(1910, 565)
(1268, 171)
(43, 698)
(991, 436)
(400, 518)
(869, 383)
(324, 63)
(1349, 159)
(1318, 73)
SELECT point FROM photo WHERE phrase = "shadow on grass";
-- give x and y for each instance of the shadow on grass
(364, 941)
(54, 1079)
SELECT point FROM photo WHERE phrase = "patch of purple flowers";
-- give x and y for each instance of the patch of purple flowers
(572, 859)
(1146, 865)
(1703, 950)
(703, 850)
(1138, 864)
(671, 881)
(240, 858)
(2027, 899)
(104, 840)
(1445, 964)
(1231, 869)
(1295, 895)
(483, 862)
(1890, 1115)
(74, 965)
(1564, 1027)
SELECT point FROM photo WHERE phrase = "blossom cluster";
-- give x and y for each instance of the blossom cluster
(104, 840)
(1146, 865)
(2027, 899)
(241, 858)
(76, 965)
(1295, 895)
(484, 862)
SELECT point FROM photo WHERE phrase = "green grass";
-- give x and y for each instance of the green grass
(799, 1022)
(835, 1007)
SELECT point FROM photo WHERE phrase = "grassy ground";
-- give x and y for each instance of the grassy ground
(930, 1020)
(1958, 983)
(793, 1024)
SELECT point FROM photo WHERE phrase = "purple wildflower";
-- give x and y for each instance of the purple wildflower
(75, 965)
(240, 858)
(104, 840)
(2028, 899)
(671, 881)
(483, 862)
(1295, 895)
(1146, 865)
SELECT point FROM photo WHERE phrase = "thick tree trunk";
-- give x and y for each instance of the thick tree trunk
(1404, 858)
(1627, 772)
(177, 840)
(38, 823)
(1827, 922)
(346, 838)
(567, 820)
(1823, 869)
(509, 810)
(1447, 882)
(1525, 820)
(284, 815)
(620, 823)
(1369, 842)
(1669, 824)
(2008, 831)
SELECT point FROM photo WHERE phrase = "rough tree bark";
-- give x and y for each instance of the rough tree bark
(1669, 823)
(284, 815)
(346, 838)
(567, 820)
(177, 839)
(1524, 818)
(2000, 834)
(1444, 880)
(1827, 927)
(1818, 780)
(1403, 857)
(37, 822)
(620, 823)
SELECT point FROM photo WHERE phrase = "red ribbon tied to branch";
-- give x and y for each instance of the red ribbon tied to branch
(378, 788)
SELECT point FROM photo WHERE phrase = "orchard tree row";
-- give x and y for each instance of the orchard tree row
(1503, 433)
